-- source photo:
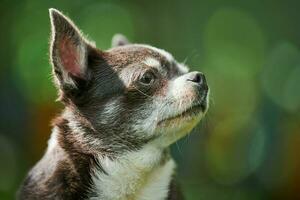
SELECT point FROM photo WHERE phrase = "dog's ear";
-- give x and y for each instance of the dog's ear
(119, 40)
(68, 52)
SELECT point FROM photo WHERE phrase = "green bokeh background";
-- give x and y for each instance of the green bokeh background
(248, 145)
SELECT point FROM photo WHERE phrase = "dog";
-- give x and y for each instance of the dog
(124, 107)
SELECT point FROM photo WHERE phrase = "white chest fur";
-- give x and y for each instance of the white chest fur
(136, 176)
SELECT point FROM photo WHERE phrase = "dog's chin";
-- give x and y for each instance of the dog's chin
(173, 128)
(187, 115)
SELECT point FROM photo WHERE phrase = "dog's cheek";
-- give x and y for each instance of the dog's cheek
(174, 98)
(162, 89)
(140, 118)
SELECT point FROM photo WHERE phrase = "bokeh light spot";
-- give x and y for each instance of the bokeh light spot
(233, 152)
(281, 76)
(32, 67)
(102, 20)
(234, 43)
(8, 166)
(234, 52)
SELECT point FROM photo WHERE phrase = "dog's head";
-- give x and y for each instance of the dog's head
(126, 96)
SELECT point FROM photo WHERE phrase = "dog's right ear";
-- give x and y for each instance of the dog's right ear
(119, 40)
(68, 52)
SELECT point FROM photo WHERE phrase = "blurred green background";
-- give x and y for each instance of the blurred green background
(248, 147)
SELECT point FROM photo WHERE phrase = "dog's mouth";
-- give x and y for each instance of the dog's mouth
(190, 113)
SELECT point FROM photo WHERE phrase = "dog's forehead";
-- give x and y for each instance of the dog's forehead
(129, 54)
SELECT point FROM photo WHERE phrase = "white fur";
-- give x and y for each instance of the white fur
(183, 68)
(48, 162)
(110, 110)
(166, 54)
(158, 185)
(136, 175)
(52, 142)
(180, 96)
(119, 40)
(152, 62)
(80, 134)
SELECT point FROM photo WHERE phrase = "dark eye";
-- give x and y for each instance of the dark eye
(147, 78)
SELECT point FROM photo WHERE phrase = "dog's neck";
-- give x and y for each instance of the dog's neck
(145, 173)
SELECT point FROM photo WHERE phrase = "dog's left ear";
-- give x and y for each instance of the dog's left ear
(68, 51)
(119, 40)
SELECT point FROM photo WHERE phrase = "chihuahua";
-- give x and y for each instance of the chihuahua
(124, 107)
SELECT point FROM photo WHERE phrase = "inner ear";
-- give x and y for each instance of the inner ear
(119, 40)
(72, 57)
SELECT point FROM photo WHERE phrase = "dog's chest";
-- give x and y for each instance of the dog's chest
(134, 177)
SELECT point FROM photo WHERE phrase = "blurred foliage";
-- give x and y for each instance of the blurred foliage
(246, 148)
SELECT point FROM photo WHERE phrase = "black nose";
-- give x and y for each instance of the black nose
(196, 77)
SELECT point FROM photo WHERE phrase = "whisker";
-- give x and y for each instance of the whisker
(143, 92)
(178, 148)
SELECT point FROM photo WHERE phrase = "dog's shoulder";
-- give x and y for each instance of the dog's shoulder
(58, 175)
